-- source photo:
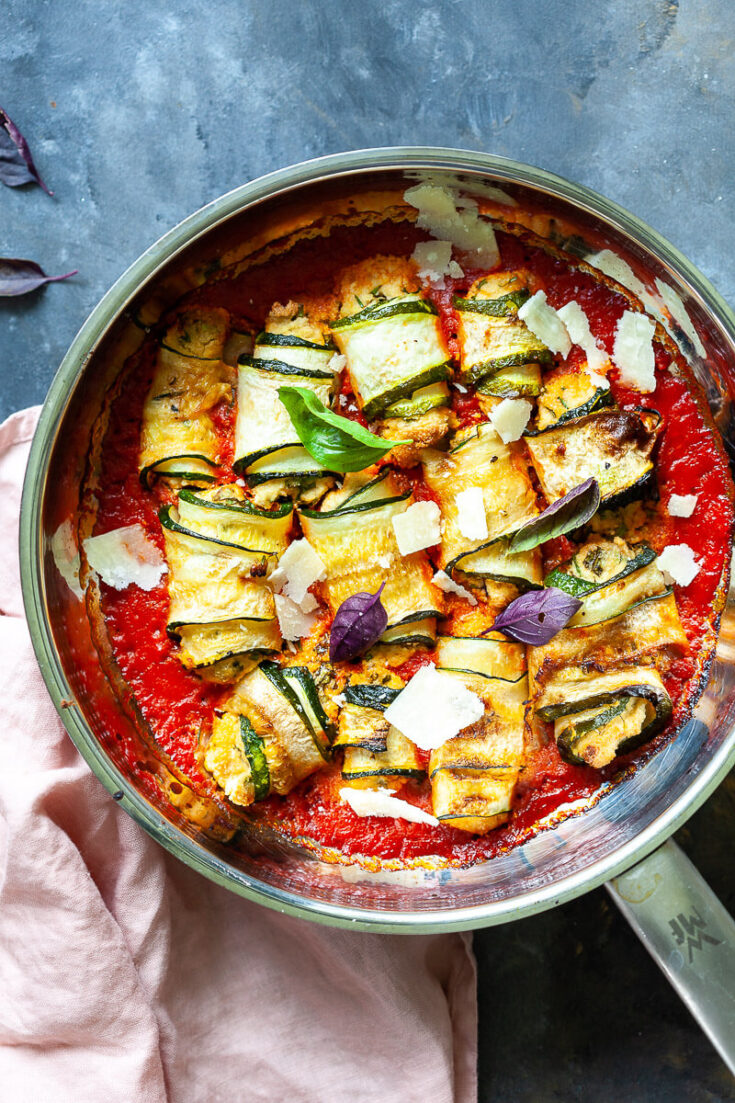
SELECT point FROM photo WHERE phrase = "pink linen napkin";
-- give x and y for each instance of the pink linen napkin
(125, 976)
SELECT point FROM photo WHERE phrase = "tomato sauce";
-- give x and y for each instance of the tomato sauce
(178, 706)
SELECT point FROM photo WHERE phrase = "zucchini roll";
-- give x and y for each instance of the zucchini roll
(474, 775)
(357, 544)
(498, 350)
(291, 351)
(612, 446)
(219, 550)
(178, 438)
(270, 736)
(396, 354)
(479, 459)
(375, 753)
(599, 679)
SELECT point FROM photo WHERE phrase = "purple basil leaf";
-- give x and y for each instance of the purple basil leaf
(537, 616)
(571, 511)
(18, 277)
(359, 622)
(16, 161)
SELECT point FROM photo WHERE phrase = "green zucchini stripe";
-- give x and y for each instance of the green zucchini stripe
(255, 753)
(501, 307)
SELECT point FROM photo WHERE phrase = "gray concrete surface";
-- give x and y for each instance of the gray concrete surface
(140, 112)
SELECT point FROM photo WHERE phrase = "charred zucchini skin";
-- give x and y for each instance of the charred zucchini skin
(370, 696)
(255, 754)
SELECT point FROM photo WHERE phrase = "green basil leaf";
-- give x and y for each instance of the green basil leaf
(571, 511)
(334, 441)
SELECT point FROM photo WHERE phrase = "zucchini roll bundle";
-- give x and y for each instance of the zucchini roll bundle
(499, 354)
(397, 357)
(272, 733)
(479, 459)
(178, 438)
(599, 679)
(474, 775)
(357, 544)
(375, 753)
(290, 352)
(613, 446)
(219, 550)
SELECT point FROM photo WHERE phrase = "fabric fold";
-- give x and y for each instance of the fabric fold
(127, 977)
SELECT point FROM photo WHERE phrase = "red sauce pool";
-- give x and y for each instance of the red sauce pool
(177, 705)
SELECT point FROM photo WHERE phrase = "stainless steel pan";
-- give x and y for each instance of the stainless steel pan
(676, 915)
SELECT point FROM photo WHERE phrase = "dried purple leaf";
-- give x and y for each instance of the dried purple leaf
(358, 623)
(16, 161)
(571, 511)
(537, 616)
(18, 277)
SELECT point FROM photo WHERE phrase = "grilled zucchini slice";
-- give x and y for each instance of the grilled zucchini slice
(178, 439)
(358, 547)
(474, 775)
(218, 550)
(491, 335)
(599, 716)
(479, 458)
(522, 381)
(291, 351)
(276, 713)
(364, 768)
(612, 446)
(597, 680)
(394, 348)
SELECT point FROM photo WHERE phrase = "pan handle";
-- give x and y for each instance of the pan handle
(688, 933)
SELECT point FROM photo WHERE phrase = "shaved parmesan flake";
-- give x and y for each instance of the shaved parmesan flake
(433, 707)
(449, 217)
(678, 564)
(545, 323)
(417, 528)
(681, 505)
(293, 621)
(578, 328)
(433, 259)
(66, 557)
(679, 313)
(125, 557)
(384, 802)
(510, 418)
(454, 270)
(633, 351)
(298, 568)
(617, 269)
(449, 586)
(471, 515)
(338, 362)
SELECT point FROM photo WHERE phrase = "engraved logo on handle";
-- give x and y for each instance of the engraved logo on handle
(691, 929)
